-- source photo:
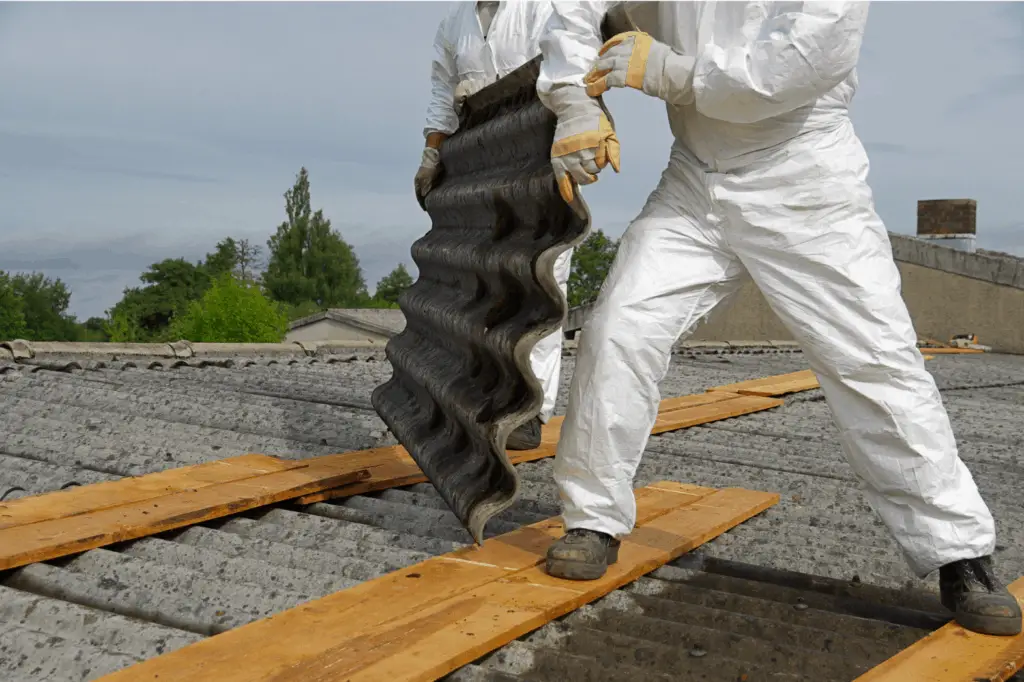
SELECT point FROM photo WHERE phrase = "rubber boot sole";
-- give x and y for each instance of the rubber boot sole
(1000, 626)
(582, 570)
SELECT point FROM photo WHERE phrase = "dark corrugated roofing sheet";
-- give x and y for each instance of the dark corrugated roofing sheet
(486, 294)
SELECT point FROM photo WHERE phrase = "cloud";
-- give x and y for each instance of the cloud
(132, 132)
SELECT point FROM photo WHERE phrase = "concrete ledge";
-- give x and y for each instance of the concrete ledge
(1006, 271)
(69, 353)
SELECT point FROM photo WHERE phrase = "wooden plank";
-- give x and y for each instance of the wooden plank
(445, 610)
(674, 413)
(735, 406)
(429, 644)
(951, 351)
(399, 469)
(952, 654)
(773, 386)
(671, 404)
(96, 496)
(44, 540)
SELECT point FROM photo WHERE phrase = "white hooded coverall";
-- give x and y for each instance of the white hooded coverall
(477, 44)
(766, 180)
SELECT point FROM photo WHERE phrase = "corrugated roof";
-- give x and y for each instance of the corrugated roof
(78, 618)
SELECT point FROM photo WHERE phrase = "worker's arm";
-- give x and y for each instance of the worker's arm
(569, 44)
(797, 56)
(442, 120)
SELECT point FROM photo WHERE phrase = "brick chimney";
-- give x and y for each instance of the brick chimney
(948, 222)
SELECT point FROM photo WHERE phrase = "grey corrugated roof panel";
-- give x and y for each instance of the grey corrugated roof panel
(702, 625)
(159, 593)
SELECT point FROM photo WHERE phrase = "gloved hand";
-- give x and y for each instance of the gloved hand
(635, 59)
(430, 168)
(465, 89)
(585, 140)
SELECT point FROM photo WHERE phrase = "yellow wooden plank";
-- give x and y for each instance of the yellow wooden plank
(773, 386)
(671, 404)
(444, 611)
(953, 654)
(397, 468)
(429, 644)
(735, 406)
(96, 496)
(44, 540)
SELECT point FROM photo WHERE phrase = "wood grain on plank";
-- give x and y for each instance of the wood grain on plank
(394, 472)
(952, 654)
(735, 406)
(671, 404)
(44, 540)
(673, 414)
(436, 641)
(773, 386)
(319, 640)
(96, 496)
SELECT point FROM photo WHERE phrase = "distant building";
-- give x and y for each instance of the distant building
(372, 326)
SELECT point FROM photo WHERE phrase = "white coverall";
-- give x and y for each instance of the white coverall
(766, 180)
(468, 51)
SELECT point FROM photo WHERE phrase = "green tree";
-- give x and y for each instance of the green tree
(94, 330)
(393, 284)
(591, 261)
(12, 311)
(123, 327)
(224, 258)
(170, 286)
(308, 261)
(44, 305)
(237, 256)
(231, 311)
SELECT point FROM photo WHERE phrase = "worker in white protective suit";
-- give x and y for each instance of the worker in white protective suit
(766, 180)
(477, 43)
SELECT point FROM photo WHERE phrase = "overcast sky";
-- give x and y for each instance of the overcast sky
(130, 133)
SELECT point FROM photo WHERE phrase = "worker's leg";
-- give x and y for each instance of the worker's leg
(546, 362)
(546, 357)
(670, 271)
(807, 232)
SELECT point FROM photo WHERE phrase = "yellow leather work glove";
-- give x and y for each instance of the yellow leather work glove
(636, 60)
(585, 140)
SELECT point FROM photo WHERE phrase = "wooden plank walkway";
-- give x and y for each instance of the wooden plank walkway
(422, 622)
(774, 386)
(52, 525)
(49, 533)
(397, 468)
(98, 496)
(953, 654)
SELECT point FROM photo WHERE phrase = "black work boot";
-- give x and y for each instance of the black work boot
(970, 590)
(526, 437)
(582, 554)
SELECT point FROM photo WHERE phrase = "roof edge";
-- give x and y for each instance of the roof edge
(1005, 271)
(21, 349)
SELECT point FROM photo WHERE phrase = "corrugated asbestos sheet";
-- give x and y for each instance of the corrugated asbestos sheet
(486, 294)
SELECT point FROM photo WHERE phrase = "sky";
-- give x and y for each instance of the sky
(134, 132)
